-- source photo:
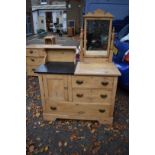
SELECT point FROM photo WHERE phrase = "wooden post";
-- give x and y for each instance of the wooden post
(81, 45)
(112, 44)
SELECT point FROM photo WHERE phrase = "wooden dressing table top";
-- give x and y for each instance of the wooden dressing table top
(106, 69)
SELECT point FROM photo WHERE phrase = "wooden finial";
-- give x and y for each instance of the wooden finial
(112, 44)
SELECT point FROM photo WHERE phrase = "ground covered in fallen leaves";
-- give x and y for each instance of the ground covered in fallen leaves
(72, 137)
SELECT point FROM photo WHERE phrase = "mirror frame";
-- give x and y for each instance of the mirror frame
(97, 15)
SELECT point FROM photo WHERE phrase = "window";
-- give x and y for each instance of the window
(43, 1)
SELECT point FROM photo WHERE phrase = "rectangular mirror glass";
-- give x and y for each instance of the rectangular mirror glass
(97, 36)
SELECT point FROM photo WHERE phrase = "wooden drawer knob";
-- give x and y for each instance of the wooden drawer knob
(79, 82)
(79, 95)
(102, 110)
(103, 96)
(53, 108)
(31, 52)
(32, 60)
(104, 83)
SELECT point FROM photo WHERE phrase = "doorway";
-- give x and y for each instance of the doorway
(49, 20)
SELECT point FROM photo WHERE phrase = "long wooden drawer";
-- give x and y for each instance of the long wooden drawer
(35, 52)
(89, 111)
(35, 61)
(30, 70)
(92, 82)
(92, 95)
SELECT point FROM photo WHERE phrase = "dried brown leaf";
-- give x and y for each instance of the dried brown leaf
(31, 148)
(42, 149)
(38, 138)
(65, 144)
(60, 144)
(93, 130)
(42, 125)
(28, 108)
(73, 137)
(46, 149)
(37, 114)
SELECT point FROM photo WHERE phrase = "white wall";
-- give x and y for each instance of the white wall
(55, 14)
(62, 18)
(35, 21)
(65, 22)
(42, 14)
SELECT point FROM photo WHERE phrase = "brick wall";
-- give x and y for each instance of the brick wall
(75, 13)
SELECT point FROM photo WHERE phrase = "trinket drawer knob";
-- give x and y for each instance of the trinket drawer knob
(104, 83)
(103, 96)
(79, 95)
(33, 69)
(79, 82)
(31, 52)
(53, 108)
(32, 60)
(102, 110)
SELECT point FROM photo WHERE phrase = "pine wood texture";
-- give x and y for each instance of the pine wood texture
(34, 61)
(98, 13)
(82, 112)
(78, 97)
(35, 52)
(30, 70)
(50, 40)
(55, 87)
(92, 82)
(105, 69)
(61, 55)
(96, 56)
(34, 58)
(43, 46)
(90, 93)
(39, 54)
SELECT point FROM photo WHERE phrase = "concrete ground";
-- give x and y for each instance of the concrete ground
(74, 137)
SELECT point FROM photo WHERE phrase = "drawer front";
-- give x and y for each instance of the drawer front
(30, 70)
(34, 60)
(79, 111)
(92, 95)
(35, 52)
(92, 82)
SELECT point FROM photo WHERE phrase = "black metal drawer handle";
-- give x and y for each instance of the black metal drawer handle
(81, 112)
(53, 108)
(104, 83)
(79, 82)
(79, 95)
(103, 96)
(32, 60)
(102, 110)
